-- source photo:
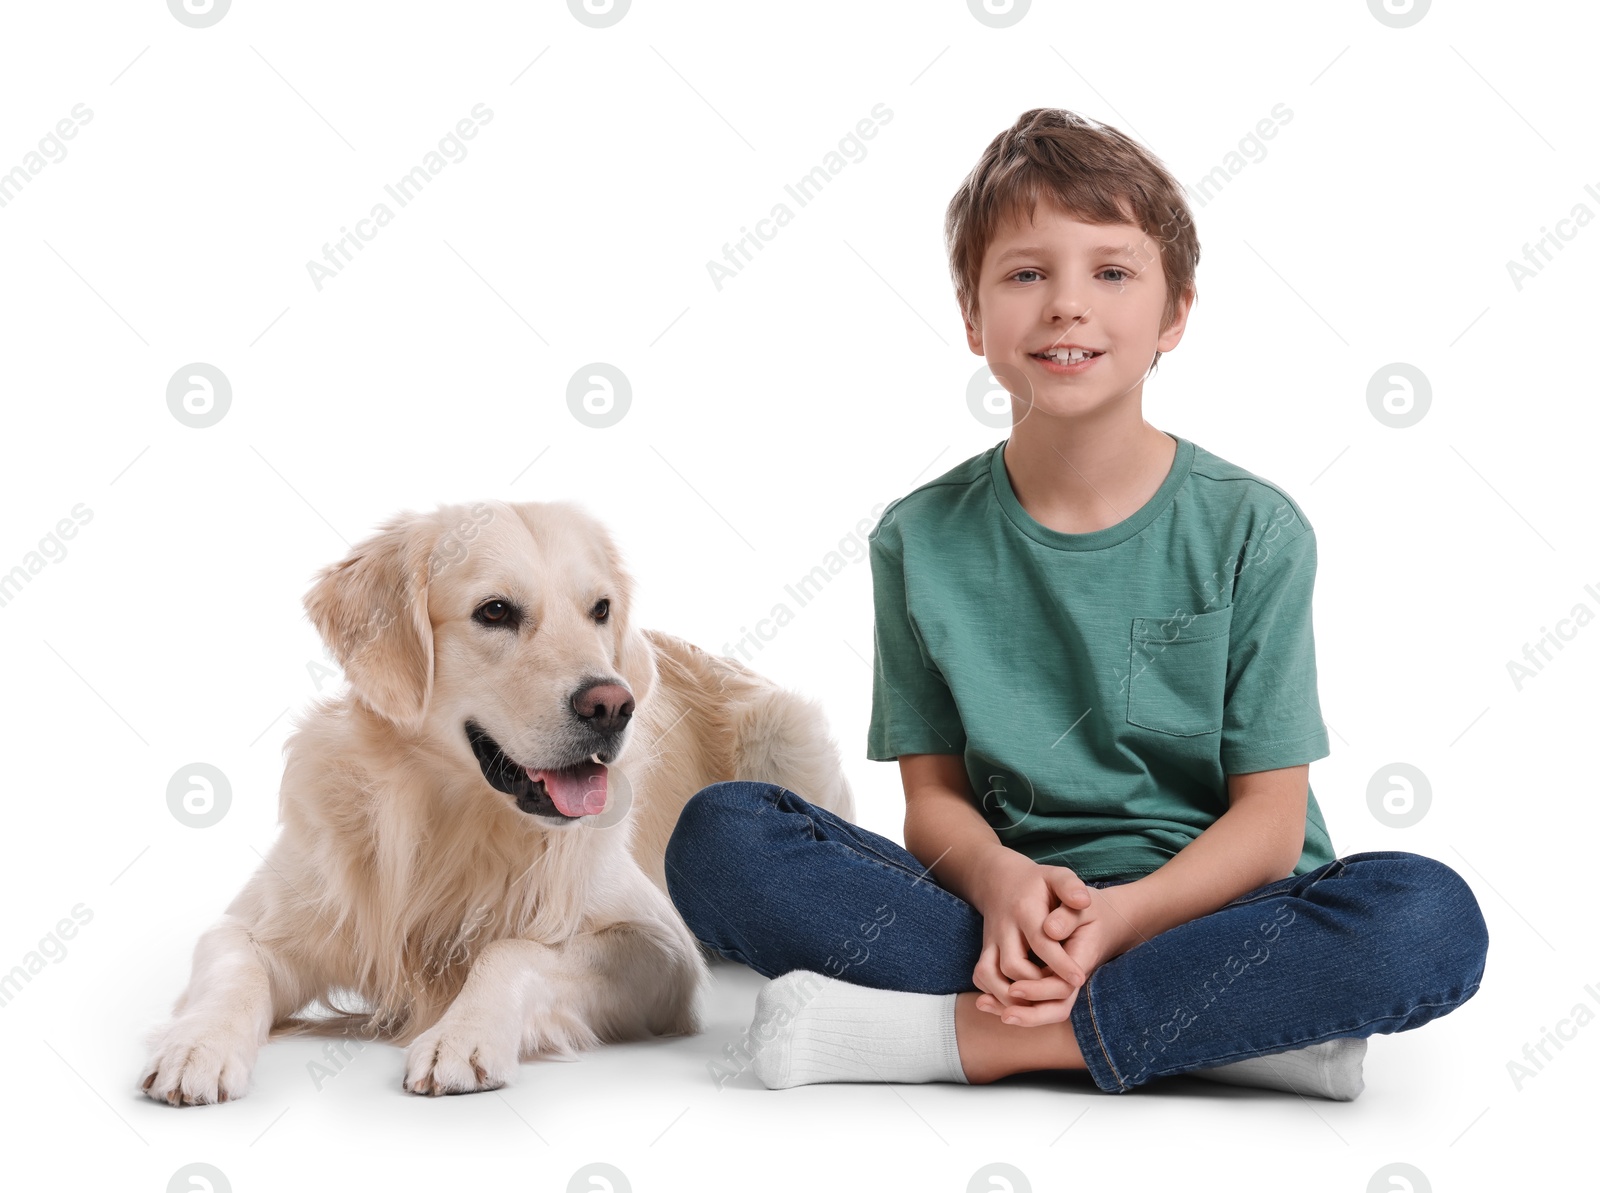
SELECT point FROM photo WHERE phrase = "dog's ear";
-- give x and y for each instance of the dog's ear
(371, 608)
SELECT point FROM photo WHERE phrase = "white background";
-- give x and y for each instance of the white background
(767, 419)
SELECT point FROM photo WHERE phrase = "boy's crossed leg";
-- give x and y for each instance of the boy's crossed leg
(910, 1015)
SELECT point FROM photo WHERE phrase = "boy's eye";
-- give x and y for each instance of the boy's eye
(1122, 274)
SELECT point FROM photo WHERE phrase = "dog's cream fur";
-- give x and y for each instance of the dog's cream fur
(474, 933)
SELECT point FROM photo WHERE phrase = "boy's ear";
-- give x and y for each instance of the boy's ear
(974, 328)
(371, 608)
(1173, 332)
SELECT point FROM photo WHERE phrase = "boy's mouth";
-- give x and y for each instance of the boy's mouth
(1067, 360)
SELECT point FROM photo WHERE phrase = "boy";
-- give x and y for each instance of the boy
(1095, 665)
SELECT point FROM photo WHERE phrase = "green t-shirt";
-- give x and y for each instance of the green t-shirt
(1100, 686)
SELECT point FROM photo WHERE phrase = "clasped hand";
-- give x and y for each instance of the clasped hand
(1070, 927)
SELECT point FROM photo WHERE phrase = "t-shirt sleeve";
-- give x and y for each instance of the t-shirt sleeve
(1271, 717)
(913, 711)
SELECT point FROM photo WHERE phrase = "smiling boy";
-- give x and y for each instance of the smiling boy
(1094, 662)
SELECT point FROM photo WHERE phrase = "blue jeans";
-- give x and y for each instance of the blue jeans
(1372, 942)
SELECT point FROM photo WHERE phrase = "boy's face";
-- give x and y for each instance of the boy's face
(1057, 282)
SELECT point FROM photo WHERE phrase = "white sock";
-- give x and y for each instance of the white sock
(1330, 1069)
(810, 1028)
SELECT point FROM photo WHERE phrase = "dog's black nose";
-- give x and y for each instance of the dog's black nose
(606, 706)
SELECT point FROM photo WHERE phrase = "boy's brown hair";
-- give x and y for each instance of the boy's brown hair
(1092, 172)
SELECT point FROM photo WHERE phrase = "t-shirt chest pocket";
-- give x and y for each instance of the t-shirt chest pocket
(1177, 670)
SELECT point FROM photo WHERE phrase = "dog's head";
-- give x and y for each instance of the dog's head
(502, 632)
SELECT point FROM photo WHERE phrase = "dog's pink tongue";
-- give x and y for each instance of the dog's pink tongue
(576, 790)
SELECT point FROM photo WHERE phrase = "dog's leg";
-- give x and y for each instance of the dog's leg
(206, 1052)
(523, 999)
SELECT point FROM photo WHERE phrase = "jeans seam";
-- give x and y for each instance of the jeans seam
(862, 854)
(932, 885)
(1088, 994)
(1246, 902)
(736, 955)
(861, 850)
(868, 856)
(866, 853)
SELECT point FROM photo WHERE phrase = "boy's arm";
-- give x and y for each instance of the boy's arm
(945, 831)
(1256, 841)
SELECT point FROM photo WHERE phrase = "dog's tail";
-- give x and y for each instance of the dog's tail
(349, 1023)
(327, 1020)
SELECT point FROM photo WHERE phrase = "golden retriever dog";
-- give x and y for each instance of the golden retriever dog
(473, 831)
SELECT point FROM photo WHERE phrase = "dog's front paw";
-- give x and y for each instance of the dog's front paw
(459, 1058)
(193, 1066)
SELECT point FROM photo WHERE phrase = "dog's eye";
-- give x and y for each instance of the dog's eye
(496, 613)
(602, 609)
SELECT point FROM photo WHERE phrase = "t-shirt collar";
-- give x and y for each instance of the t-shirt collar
(1095, 540)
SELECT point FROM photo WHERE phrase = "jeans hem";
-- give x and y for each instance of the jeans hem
(1106, 1077)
